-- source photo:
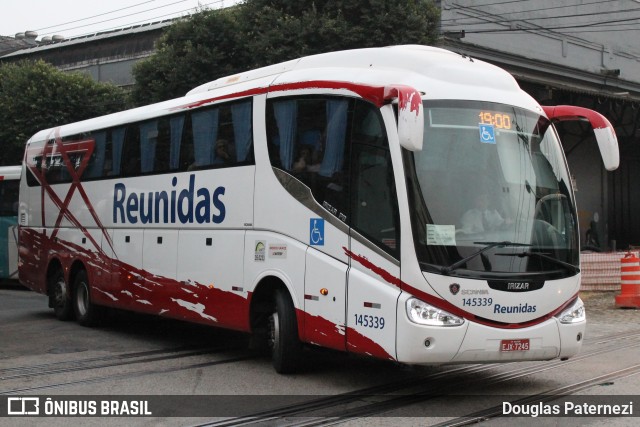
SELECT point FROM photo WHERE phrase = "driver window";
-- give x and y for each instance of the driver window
(374, 206)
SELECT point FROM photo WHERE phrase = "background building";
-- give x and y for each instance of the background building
(107, 57)
(582, 52)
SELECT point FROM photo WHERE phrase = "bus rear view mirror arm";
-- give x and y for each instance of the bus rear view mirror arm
(604, 131)
(410, 115)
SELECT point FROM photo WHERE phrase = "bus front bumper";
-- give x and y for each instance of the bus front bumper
(476, 343)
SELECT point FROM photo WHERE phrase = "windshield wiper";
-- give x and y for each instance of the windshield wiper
(572, 268)
(490, 245)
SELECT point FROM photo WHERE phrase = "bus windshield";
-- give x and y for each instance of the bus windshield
(490, 194)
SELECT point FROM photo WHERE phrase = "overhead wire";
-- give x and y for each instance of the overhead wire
(540, 18)
(537, 27)
(95, 16)
(557, 27)
(10, 40)
(474, 7)
(148, 20)
(121, 17)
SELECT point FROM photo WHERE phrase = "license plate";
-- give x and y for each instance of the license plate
(514, 345)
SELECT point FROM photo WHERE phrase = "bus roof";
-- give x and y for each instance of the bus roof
(437, 73)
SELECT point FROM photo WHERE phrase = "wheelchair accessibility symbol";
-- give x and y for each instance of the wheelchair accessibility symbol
(487, 134)
(316, 232)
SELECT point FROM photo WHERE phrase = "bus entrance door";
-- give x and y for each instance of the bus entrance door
(324, 300)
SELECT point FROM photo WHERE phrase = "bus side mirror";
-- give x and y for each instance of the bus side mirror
(605, 134)
(410, 115)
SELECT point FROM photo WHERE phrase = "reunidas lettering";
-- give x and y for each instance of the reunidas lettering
(184, 205)
(510, 309)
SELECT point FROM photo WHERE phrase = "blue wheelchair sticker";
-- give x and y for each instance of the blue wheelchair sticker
(316, 232)
(487, 134)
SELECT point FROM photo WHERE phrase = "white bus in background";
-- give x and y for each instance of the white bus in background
(9, 191)
(406, 203)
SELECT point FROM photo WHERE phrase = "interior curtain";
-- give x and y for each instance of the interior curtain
(241, 116)
(205, 134)
(336, 134)
(177, 124)
(286, 117)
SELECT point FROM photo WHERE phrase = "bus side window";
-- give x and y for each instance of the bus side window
(187, 153)
(308, 139)
(9, 190)
(95, 167)
(163, 146)
(149, 136)
(204, 125)
(176, 133)
(241, 116)
(114, 146)
(131, 155)
(218, 137)
(56, 170)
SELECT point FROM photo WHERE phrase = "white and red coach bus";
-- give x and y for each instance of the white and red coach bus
(406, 203)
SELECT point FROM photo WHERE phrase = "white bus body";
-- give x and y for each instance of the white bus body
(322, 201)
(9, 191)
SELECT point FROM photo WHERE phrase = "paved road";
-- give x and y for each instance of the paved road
(141, 355)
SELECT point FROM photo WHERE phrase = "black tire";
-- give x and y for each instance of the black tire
(283, 335)
(59, 296)
(87, 313)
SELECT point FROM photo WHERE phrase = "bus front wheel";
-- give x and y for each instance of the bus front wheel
(87, 313)
(283, 335)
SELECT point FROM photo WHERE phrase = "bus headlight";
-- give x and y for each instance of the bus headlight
(425, 314)
(574, 313)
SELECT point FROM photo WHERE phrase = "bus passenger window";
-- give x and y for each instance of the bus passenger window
(241, 116)
(205, 132)
(9, 190)
(218, 137)
(163, 146)
(308, 139)
(113, 151)
(176, 125)
(95, 167)
(149, 136)
(131, 155)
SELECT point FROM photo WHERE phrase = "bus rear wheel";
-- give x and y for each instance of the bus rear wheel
(283, 335)
(87, 313)
(59, 297)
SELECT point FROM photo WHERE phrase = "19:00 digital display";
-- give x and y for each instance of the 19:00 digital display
(499, 120)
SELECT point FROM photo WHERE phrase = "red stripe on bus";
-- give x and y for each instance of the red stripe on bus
(446, 305)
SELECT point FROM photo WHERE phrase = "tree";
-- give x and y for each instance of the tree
(257, 33)
(189, 53)
(35, 96)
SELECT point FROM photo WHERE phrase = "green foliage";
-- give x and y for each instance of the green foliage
(35, 96)
(257, 33)
(188, 54)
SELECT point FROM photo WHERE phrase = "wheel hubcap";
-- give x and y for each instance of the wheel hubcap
(60, 292)
(274, 330)
(82, 298)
